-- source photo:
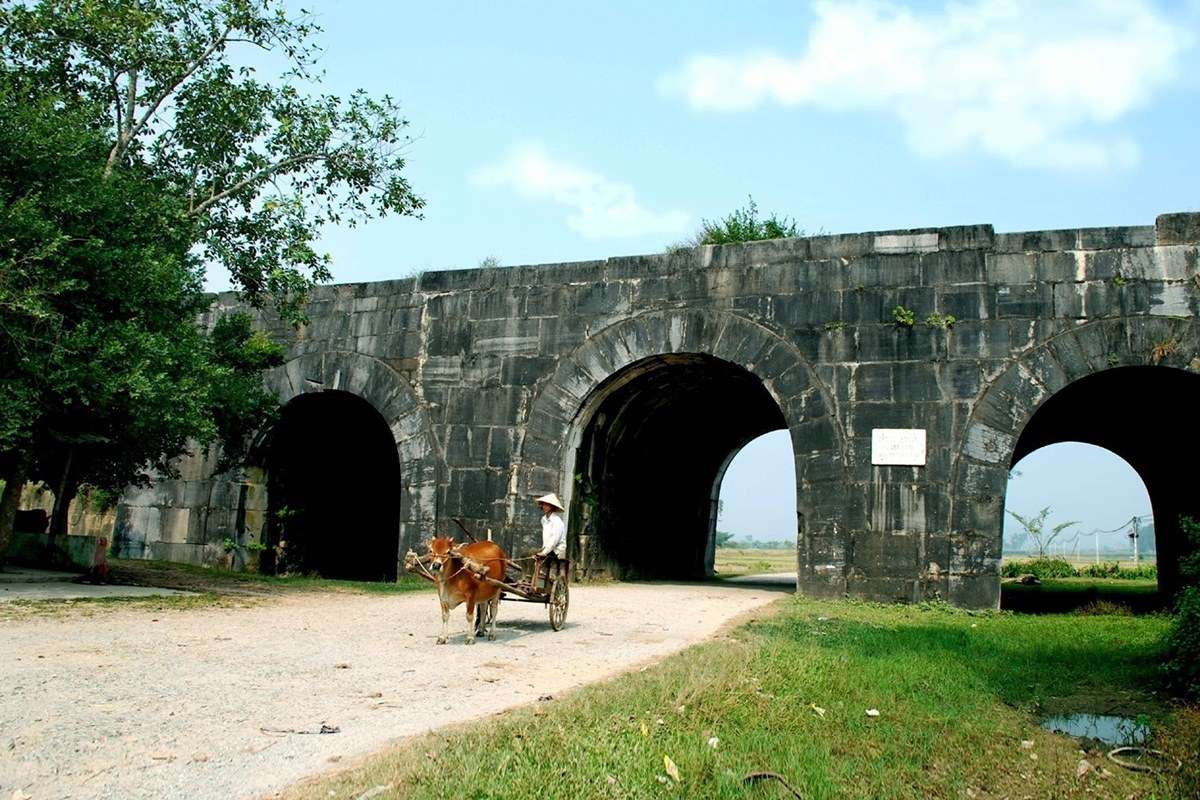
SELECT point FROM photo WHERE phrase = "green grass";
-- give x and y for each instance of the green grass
(957, 693)
(747, 561)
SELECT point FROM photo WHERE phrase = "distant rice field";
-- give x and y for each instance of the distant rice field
(748, 561)
(739, 561)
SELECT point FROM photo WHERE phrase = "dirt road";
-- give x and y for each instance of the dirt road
(145, 703)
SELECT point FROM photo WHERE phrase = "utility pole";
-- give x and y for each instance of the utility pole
(1133, 535)
(1096, 536)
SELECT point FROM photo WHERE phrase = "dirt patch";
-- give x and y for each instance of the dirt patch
(144, 702)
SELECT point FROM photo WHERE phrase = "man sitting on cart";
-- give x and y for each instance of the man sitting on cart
(554, 537)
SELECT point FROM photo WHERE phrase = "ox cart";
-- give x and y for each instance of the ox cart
(549, 584)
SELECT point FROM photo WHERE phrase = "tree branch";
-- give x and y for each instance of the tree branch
(263, 174)
(169, 89)
(124, 123)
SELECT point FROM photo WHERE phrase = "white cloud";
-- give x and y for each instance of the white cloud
(600, 208)
(1029, 81)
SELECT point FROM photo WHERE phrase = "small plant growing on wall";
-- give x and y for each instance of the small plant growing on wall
(942, 321)
(904, 317)
(1162, 350)
(835, 325)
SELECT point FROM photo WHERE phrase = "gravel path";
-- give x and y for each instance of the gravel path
(143, 703)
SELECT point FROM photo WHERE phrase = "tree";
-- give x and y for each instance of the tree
(255, 167)
(742, 225)
(1035, 528)
(134, 155)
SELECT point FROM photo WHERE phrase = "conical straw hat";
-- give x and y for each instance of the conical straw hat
(552, 499)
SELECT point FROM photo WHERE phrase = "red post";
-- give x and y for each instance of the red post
(99, 573)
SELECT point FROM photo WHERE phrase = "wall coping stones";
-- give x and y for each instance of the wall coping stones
(1180, 228)
(1075, 239)
(1173, 228)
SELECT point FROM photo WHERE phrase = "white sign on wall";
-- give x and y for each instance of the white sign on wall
(898, 447)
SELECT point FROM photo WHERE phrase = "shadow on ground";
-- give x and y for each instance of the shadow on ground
(1059, 597)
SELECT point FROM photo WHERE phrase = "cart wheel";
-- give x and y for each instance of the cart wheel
(560, 595)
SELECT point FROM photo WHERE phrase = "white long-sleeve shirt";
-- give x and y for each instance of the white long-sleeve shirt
(554, 535)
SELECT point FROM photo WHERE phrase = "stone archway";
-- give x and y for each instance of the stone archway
(1036, 400)
(611, 360)
(397, 405)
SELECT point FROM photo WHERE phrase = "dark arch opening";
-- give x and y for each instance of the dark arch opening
(333, 489)
(1145, 415)
(656, 440)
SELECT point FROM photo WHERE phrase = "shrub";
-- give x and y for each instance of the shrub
(1057, 568)
(743, 225)
(1106, 569)
(1043, 568)
(1182, 667)
(1112, 569)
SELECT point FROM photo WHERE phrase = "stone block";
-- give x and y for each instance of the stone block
(864, 304)
(601, 298)
(454, 280)
(448, 337)
(504, 303)
(1173, 300)
(960, 380)
(1166, 263)
(814, 435)
(808, 309)
(968, 237)
(949, 268)
(545, 301)
(525, 370)
(448, 306)
(1016, 267)
(885, 554)
(873, 383)
(914, 381)
(967, 301)
(1179, 228)
(847, 246)
(1106, 238)
(1028, 300)
(906, 243)
(865, 417)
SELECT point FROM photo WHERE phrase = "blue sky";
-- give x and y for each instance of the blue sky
(566, 131)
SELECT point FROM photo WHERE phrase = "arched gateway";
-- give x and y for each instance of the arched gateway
(909, 367)
(637, 425)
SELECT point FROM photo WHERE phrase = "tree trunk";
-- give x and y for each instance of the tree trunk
(14, 481)
(64, 493)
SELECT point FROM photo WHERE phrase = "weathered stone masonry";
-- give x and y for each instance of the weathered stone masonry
(492, 380)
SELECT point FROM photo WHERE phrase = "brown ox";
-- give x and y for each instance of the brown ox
(458, 584)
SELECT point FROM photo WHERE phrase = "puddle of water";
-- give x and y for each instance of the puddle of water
(1107, 728)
